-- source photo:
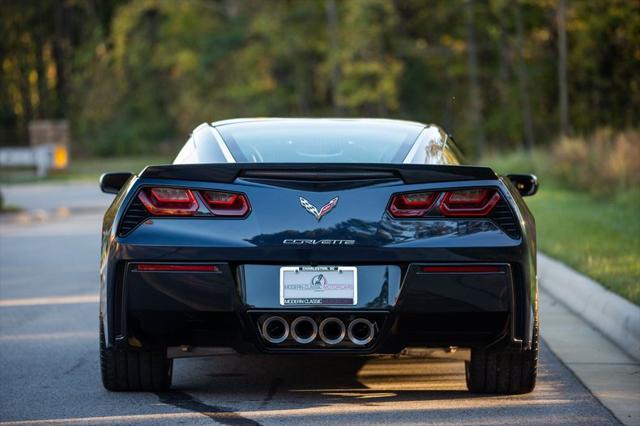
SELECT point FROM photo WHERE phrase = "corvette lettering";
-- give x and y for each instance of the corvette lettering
(319, 242)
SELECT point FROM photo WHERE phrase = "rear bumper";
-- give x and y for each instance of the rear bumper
(409, 307)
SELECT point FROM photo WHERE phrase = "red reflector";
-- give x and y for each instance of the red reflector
(163, 267)
(169, 201)
(412, 205)
(226, 203)
(469, 202)
(460, 268)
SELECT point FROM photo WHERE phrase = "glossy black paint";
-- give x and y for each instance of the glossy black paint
(447, 292)
(228, 173)
(112, 183)
(221, 309)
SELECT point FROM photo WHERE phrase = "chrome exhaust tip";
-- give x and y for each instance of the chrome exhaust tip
(275, 330)
(360, 331)
(304, 330)
(332, 331)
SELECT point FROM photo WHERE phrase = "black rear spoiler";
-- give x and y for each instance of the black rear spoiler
(228, 173)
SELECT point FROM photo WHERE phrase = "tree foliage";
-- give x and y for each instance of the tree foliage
(135, 76)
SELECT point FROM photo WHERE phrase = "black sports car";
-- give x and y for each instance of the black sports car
(318, 236)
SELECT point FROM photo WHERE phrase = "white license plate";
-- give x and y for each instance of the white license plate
(318, 285)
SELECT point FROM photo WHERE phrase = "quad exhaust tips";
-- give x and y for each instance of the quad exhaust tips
(360, 331)
(275, 330)
(332, 331)
(304, 330)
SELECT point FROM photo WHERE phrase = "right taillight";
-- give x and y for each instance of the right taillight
(469, 202)
(412, 205)
(165, 201)
(228, 204)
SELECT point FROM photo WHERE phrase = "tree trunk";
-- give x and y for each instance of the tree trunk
(332, 33)
(563, 94)
(59, 59)
(42, 76)
(25, 96)
(523, 82)
(475, 95)
(8, 121)
(505, 58)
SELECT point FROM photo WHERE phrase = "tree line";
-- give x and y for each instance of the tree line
(135, 76)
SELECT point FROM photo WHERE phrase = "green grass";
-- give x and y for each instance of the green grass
(598, 237)
(84, 169)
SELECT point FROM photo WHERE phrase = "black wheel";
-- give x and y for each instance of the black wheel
(503, 372)
(134, 369)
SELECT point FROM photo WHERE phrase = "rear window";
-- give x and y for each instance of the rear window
(321, 141)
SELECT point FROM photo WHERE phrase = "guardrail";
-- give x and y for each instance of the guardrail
(42, 157)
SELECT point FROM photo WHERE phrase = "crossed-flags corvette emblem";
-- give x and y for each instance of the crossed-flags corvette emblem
(314, 210)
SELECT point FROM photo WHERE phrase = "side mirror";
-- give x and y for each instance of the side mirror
(112, 183)
(525, 184)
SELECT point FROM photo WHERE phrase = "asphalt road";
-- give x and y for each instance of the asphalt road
(49, 363)
(49, 196)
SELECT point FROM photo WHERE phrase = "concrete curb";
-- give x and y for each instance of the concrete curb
(615, 317)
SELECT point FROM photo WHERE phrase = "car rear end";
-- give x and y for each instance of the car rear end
(199, 263)
(349, 259)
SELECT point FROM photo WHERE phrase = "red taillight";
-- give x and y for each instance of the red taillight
(469, 202)
(169, 201)
(165, 267)
(226, 203)
(412, 205)
(460, 268)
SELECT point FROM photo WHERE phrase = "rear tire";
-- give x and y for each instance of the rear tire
(134, 369)
(502, 372)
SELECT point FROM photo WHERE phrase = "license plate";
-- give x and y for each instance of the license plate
(318, 285)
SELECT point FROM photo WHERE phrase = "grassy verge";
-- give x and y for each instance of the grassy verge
(598, 235)
(84, 169)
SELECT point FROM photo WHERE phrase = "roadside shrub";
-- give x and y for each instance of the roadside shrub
(536, 162)
(604, 162)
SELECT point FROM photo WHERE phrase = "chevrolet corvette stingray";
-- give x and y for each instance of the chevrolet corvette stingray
(318, 236)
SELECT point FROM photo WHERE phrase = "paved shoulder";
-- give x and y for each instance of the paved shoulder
(609, 373)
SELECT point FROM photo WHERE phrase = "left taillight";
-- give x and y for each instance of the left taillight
(412, 205)
(165, 201)
(169, 201)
